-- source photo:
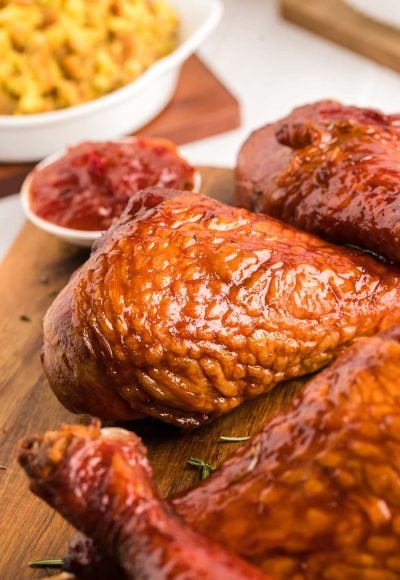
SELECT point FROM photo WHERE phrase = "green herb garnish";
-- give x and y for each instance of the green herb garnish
(225, 439)
(203, 467)
(47, 563)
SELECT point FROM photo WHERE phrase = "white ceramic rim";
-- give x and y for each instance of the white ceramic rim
(179, 55)
(70, 233)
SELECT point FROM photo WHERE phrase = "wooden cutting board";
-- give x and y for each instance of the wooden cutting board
(201, 107)
(36, 268)
(337, 21)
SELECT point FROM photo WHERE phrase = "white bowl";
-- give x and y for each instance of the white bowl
(83, 238)
(32, 137)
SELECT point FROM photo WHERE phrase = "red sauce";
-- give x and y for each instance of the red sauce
(90, 185)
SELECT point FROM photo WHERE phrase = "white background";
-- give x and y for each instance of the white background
(271, 66)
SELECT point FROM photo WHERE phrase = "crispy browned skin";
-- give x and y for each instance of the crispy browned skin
(187, 309)
(316, 495)
(101, 482)
(328, 169)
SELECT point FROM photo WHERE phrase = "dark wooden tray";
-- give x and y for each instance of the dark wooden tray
(338, 21)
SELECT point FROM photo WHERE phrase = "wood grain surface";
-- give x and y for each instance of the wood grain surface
(201, 107)
(36, 268)
(337, 21)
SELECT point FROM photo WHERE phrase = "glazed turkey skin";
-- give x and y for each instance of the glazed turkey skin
(187, 307)
(330, 169)
(314, 495)
(102, 483)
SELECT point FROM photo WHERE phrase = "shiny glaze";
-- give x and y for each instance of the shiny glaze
(331, 170)
(187, 309)
(102, 484)
(316, 495)
(90, 185)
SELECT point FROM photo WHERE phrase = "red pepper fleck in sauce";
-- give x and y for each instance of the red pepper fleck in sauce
(90, 185)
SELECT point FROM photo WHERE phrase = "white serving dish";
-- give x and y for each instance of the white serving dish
(385, 11)
(32, 137)
(83, 238)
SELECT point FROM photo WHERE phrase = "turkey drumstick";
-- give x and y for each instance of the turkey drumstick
(316, 493)
(329, 169)
(102, 483)
(187, 307)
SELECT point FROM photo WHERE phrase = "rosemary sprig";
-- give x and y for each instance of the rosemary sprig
(203, 467)
(225, 439)
(47, 563)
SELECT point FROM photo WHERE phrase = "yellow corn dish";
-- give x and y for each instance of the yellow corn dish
(59, 53)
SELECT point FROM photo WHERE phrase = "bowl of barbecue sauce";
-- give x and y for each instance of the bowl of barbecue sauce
(76, 194)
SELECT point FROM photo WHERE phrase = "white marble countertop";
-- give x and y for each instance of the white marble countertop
(271, 66)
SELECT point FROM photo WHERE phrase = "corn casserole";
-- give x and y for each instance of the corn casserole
(60, 53)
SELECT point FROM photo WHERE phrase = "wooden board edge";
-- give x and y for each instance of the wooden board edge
(347, 28)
